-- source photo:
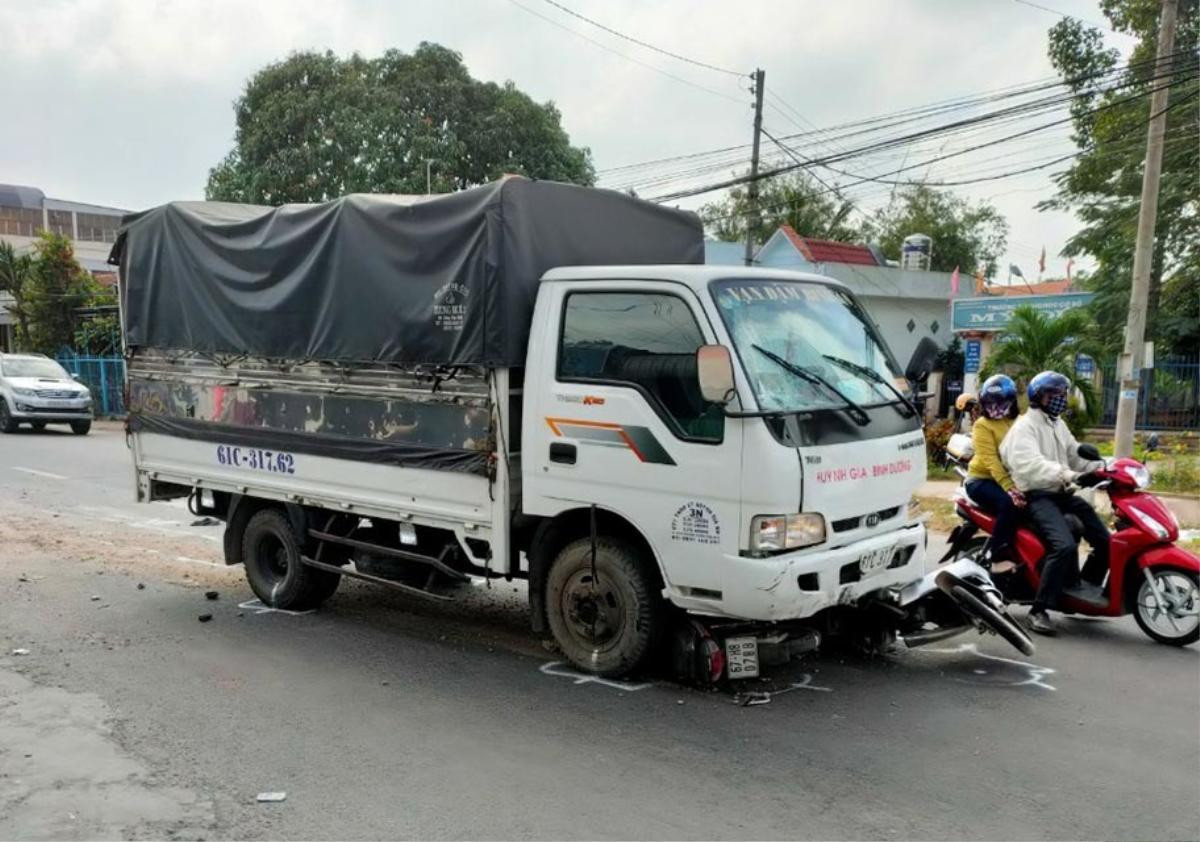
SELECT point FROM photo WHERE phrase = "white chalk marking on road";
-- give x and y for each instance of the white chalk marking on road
(191, 560)
(557, 668)
(259, 607)
(1034, 672)
(38, 473)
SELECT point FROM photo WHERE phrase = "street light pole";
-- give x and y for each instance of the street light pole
(428, 176)
(1130, 363)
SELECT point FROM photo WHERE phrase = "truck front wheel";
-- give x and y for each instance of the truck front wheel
(271, 555)
(604, 615)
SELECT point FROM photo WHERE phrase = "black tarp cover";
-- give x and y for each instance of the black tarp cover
(445, 280)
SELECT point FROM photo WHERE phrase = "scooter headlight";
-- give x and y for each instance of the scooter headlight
(773, 533)
(1139, 474)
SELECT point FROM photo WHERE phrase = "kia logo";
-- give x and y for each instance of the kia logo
(872, 520)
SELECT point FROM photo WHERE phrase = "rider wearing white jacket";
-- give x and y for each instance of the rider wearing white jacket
(1042, 457)
(1041, 454)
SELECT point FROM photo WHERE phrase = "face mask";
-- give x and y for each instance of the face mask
(996, 411)
(1056, 405)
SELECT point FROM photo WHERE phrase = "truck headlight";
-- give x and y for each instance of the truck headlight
(772, 533)
(29, 393)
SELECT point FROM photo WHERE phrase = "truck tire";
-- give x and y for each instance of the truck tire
(606, 627)
(81, 428)
(271, 555)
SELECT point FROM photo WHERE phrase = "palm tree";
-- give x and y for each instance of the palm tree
(1034, 341)
(16, 270)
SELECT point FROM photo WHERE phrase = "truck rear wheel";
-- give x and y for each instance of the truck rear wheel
(606, 624)
(271, 555)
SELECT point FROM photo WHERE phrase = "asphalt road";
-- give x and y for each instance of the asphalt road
(381, 718)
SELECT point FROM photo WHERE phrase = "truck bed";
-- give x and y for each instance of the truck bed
(376, 440)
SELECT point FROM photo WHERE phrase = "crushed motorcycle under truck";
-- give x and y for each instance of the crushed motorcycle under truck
(538, 381)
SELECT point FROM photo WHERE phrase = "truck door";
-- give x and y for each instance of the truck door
(620, 422)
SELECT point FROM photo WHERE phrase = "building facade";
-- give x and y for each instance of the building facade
(25, 211)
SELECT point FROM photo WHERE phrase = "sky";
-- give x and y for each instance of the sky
(128, 103)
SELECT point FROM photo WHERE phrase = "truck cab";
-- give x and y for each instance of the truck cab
(782, 493)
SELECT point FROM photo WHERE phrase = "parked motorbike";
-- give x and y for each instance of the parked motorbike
(1147, 575)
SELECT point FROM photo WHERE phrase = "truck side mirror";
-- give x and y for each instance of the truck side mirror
(714, 368)
(922, 360)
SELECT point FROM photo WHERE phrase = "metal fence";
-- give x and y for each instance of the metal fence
(105, 376)
(1169, 399)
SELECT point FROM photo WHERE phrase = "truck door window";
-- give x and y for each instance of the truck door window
(644, 340)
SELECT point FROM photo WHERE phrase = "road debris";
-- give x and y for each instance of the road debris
(211, 595)
(204, 618)
(206, 521)
(95, 597)
(20, 652)
(754, 697)
(270, 797)
(141, 586)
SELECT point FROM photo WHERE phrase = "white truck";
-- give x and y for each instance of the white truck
(669, 440)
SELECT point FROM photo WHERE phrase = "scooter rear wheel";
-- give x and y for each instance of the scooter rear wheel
(1179, 624)
(998, 622)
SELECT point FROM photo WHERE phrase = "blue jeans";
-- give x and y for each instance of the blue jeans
(990, 496)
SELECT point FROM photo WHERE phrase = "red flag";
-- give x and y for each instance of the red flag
(954, 281)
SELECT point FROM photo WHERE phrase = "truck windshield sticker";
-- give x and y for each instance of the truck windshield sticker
(695, 523)
(271, 461)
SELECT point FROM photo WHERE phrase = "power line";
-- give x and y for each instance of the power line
(893, 119)
(625, 56)
(1033, 5)
(923, 134)
(1136, 128)
(641, 43)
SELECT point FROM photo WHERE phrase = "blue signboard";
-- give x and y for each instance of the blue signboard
(993, 313)
(1085, 366)
(972, 352)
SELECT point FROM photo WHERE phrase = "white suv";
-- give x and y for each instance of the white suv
(36, 390)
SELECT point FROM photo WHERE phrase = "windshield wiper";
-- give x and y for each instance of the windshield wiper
(874, 376)
(855, 411)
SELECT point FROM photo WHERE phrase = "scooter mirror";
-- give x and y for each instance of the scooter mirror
(714, 368)
(1089, 452)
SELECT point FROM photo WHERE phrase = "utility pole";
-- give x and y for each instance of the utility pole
(752, 217)
(1130, 363)
(428, 176)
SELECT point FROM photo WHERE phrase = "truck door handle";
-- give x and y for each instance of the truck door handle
(563, 454)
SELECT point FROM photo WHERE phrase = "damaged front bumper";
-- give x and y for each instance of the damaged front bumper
(799, 585)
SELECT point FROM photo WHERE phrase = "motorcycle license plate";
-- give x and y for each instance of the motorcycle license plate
(875, 561)
(741, 657)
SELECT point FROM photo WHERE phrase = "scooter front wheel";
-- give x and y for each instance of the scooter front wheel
(997, 621)
(1168, 606)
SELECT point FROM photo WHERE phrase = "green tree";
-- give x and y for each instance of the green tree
(1103, 186)
(793, 199)
(56, 288)
(1033, 341)
(969, 236)
(15, 273)
(316, 126)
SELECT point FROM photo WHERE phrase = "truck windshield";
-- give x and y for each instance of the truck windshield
(814, 327)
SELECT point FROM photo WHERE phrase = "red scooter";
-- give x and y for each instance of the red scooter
(1148, 576)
